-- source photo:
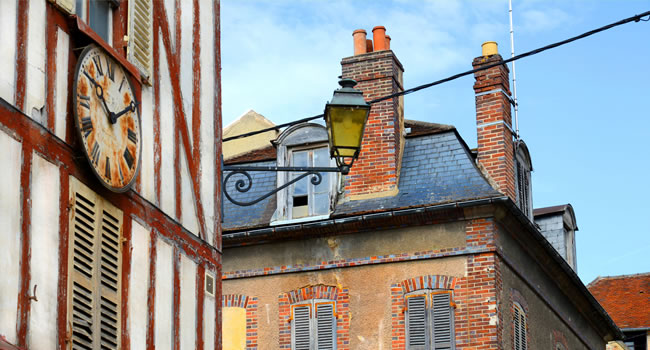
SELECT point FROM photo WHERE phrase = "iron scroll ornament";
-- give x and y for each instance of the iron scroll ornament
(244, 185)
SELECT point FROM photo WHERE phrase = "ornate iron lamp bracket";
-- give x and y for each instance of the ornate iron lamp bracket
(244, 185)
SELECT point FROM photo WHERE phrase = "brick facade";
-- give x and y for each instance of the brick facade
(377, 170)
(494, 124)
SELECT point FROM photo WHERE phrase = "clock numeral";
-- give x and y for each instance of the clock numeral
(133, 137)
(110, 69)
(128, 158)
(120, 171)
(95, 153)
(107, 170)
(98, 64)
(86, 126)
(84, 100)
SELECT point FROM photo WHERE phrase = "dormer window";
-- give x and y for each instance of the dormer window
(304, 145)
(523, 169)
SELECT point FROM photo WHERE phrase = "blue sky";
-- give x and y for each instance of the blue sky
(583, 107)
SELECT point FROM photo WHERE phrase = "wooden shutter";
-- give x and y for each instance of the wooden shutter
(95, 262)
(301, 328)
(442, 318)
(325, 326)
(519, 325)
(140, 34)
(416, 322)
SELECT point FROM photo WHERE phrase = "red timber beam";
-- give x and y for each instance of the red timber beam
(173, 60)
(24, 302)
(62, 292)
(151, 292)
(21, 54)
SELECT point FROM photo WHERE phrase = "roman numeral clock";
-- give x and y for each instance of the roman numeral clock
(107, 118)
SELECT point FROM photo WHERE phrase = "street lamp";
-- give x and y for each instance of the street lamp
(345, 118)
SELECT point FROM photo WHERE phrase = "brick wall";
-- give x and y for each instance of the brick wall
(377, 169)
(494, 124)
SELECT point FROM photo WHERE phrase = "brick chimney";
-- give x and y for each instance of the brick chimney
(494, 121)
(378, 73)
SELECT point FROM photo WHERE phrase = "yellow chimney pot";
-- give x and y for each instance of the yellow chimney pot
(490, 48)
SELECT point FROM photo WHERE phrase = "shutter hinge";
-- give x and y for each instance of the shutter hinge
(123, 240)
(68, 332)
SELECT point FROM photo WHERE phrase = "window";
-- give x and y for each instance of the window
(519, 327)
(307, 199)
(523, 168)
(99, 16)
(429, 320)
(94, 265)
(313, 325)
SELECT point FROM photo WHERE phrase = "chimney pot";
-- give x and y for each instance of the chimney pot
(490, 48)
(387, 42)
(368, 45)
(379, 38)
(359, 36)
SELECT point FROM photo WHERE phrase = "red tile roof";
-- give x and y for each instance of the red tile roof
(626, 299)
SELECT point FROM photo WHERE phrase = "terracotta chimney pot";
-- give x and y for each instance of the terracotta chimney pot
(368, 45)
(387, 42)
(379, 38)
(359, 36)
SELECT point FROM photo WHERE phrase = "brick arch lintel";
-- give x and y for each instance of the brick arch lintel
(318, 291)
(428, 282)
(234, 300)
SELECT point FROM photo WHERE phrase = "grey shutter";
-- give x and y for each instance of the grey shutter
(517, 329)
(110, 277)
(522, 330)
(301, 329)
(83, 244)
(442, 321)
(325, 326)
(416, 322)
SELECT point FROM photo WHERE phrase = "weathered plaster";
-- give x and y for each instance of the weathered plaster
(186, 53)
(61, 93)
(209, 321)
(163, 334)
(370, 295)
(167, 130)
(8, 52)
(139, 283)
(35, 91)
(188, 304)
(147, 189)
(10, 211)
(188, 214)
(44, 264)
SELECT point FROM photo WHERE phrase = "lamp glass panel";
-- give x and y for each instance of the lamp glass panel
(346, 124)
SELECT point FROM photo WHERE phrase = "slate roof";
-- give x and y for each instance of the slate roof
(437, 168)
(626, 298)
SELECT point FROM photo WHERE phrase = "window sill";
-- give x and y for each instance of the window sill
(82, 27)
(295, 221)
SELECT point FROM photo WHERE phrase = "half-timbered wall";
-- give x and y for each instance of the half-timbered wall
(171, 217)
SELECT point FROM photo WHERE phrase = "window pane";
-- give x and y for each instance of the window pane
(300, 158)
(98, 17)
(321, 157)
(321, 204)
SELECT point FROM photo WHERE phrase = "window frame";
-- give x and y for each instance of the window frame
(84, 14)
(312, 305)
(519, 327)
(310, 188)
(523, 177)
(429, 343)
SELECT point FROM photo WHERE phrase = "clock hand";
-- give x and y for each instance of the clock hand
(130, 108)
(99, 91)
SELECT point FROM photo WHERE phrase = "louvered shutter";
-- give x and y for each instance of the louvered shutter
(301, 328)
(416, 322)
(83, 244)
(519, 325)
(325, 326)
(522, 329)
(140, 34)
(442, 320)
(95, 264)
(110, 277)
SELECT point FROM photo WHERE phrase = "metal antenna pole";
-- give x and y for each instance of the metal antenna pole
(514, 75)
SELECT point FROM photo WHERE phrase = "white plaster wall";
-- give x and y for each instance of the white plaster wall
(163, 311)
(8, 52)
(169, 9)
(187, 71)
(61, 92)
(44, 263)
(188, 214)
(209, 321)
(147, 189)
(207, 146)
(167, 188)
(10, 210)
(188, 304)
(138, 285)
(35, 88)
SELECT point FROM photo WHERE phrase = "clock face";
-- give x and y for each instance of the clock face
(107, 119)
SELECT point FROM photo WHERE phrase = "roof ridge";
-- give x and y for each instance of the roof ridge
(634, 275)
